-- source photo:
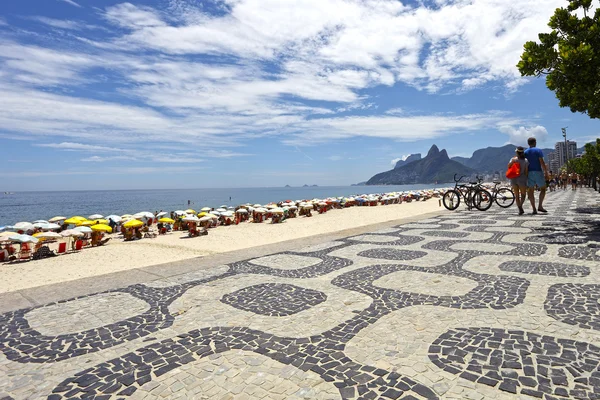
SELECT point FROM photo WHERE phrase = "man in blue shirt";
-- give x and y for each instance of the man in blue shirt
(538, 174)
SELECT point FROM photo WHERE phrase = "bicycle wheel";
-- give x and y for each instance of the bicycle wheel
(505, 197)
(467, 195)
(451, 200)
(482, 199)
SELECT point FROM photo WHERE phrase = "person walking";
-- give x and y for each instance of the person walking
(537, 175)
(519, 184)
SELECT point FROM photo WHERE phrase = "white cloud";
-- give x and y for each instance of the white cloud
(335, 158)
(405, 129)
(57, 23)
(395, 160)
(263, 68)
(71, 2)
(518, 136)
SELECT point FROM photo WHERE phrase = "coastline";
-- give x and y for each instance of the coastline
(118, 256)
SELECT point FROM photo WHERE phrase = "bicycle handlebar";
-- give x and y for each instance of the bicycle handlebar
(459, 179)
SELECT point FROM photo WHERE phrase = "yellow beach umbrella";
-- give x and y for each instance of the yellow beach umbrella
(86, 223)
(101, 221)
(211, 216)
(74, 220)
(202, 214)
(167, 220)
(190, 211)
(134, 223)
(101, 228)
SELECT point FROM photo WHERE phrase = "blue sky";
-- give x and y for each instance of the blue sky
(108, 94)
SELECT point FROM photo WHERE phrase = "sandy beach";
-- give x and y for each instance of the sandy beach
(120, 256)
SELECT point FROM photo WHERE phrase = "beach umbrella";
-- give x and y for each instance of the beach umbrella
(24, 226)
(179, 212)
(166, 220)
(242, 211)
(86, 223)
(134, 223)
(202, 214)
(71, 232)
(160, 214)
(96, 216)
(114, 218)
(260, 210)
(84, 229)
(73, 221)
(49, 227)
(231, 208)
(212, 216)
(256, 206)
(126, 216)
(143, 214)
(217, 213)
(206, 209)
(190, 211)
(23, 239)
(277, 210)
(6, 235)
(191, 218)
(228, 214)
(47, 235)
(40, 221)
(221, 210)
(101, 228)
(57, 219)
(204, 219)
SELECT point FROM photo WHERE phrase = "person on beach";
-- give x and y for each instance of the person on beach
(519, 184)
(537, 175)
(574, 178)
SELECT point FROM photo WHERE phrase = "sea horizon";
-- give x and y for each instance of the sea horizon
(34, 205)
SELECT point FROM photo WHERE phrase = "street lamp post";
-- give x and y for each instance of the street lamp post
(564, 133)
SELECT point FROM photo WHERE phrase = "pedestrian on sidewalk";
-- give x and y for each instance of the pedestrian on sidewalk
(519, 184)
(538, 174)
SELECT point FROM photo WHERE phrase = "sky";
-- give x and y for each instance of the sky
(104, 94)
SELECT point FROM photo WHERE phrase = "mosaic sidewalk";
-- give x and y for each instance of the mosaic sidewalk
(467, 305)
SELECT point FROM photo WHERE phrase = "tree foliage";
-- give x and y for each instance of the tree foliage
(588, 165)
(569, 57)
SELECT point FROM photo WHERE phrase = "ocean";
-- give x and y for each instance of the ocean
(31, 206)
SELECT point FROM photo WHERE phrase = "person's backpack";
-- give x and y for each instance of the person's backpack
(514, 171)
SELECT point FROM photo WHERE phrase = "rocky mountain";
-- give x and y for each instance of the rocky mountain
(492, 159)
(435, 167)
(409, 159)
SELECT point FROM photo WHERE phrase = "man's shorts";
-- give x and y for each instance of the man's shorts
(536, 178)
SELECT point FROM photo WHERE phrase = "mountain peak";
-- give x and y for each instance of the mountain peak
(433, 151)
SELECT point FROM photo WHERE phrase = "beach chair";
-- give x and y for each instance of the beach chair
(2, 256)
(79, 245)
(62, 248)
(25, 254)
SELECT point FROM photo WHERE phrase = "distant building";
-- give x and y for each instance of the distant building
(553, 164)
(562, 154)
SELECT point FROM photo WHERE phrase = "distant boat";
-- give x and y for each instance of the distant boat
(8, 193)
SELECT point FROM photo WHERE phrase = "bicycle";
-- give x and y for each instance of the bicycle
(473, 194)
(503, 196)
